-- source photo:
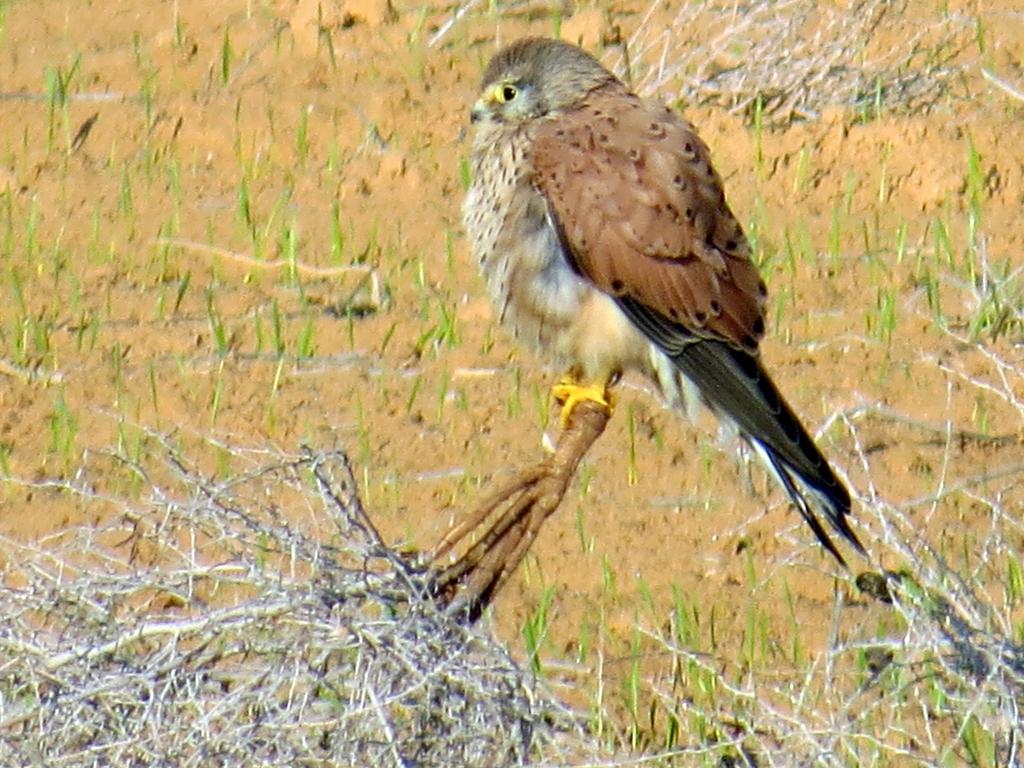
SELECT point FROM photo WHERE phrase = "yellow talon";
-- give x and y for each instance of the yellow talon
(571, 393)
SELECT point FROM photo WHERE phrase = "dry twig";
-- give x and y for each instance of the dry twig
(518, 510)
(206, 626)
(789, 59)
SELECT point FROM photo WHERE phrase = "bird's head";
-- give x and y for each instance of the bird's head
(534, 77)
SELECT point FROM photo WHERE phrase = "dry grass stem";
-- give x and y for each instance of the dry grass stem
(517, 510)
(206, 627)
(791, 59)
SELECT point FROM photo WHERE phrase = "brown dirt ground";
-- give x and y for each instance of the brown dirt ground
(105, 322)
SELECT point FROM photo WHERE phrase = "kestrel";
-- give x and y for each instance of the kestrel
(607, 246)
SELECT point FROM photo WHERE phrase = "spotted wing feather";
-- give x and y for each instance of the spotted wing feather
(642, 210)
(641, 213)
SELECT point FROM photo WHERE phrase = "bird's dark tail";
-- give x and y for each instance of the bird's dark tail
(736, 386)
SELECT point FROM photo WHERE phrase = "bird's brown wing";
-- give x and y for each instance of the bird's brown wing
(642, 212)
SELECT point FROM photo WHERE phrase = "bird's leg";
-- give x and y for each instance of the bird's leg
(570, 392)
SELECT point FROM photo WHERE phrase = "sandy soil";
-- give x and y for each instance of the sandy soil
(242, 228)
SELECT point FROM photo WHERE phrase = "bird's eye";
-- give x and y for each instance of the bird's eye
(505, 92)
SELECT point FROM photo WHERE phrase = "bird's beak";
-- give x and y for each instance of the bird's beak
(478, 112)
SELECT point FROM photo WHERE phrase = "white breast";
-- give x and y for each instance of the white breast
(535, 291)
